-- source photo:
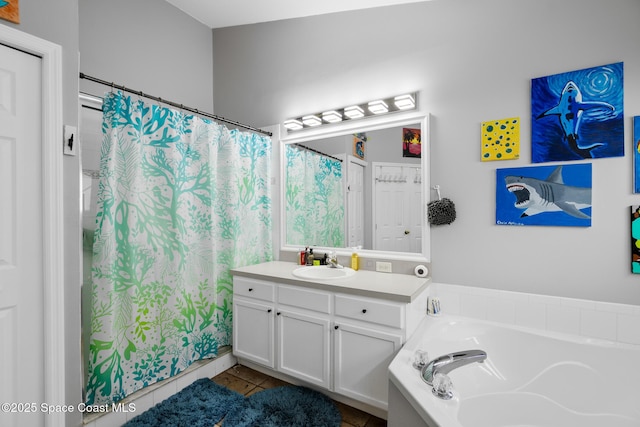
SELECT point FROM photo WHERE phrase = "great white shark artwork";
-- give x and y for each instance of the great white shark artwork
(569, 111)
(537, 196)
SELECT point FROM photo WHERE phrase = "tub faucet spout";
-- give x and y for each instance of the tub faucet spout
(448, 362)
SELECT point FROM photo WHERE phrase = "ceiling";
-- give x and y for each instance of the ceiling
(229, 13)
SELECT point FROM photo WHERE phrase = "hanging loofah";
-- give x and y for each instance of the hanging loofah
(441, 211)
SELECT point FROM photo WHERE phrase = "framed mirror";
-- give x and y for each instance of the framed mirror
(361, 184)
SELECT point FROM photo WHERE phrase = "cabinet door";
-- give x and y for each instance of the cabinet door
(303, 347)
(362, 357)
(253, 334)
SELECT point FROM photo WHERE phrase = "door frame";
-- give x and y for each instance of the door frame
(52, 211)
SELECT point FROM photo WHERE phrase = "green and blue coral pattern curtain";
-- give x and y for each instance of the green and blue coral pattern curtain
(314, 199)
(181, 201)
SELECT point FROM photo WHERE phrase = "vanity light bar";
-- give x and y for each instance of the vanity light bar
(368, 109)
(332, 116)
(293, 124)
(311, 120)
(405, 102)
(378, 107)
(354, 112)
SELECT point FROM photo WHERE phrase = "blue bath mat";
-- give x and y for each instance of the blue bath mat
(288, 406)
(201, 404)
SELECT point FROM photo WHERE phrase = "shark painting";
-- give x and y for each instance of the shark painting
(578, 114)
(545, 201)
(569, 111)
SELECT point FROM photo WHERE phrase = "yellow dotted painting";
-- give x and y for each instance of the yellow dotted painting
(501, 139)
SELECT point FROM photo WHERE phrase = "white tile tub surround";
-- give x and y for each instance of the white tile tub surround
(593, 319)
(156, 393)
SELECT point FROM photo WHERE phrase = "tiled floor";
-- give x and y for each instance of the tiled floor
(247, 381)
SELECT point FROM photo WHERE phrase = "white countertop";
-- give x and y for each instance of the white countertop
(395, 287)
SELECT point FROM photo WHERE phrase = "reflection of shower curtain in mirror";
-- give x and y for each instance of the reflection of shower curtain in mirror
(314, 199)
(181, 201)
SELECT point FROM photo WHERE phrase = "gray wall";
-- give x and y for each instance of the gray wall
(147, 45)
(471, 61)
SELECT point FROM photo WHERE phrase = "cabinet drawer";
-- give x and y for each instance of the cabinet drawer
(370, 310)
(253, 288)
(305, 298)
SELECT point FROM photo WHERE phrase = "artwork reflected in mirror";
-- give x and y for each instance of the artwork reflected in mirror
(338, 197)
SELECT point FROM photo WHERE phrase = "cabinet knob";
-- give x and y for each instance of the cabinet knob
(364, 310)
(269, 311)
(250, 289)
(278, 313)
(336, 327)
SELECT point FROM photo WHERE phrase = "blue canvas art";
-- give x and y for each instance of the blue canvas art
(578, 115)
(636, 154)
(544, 195)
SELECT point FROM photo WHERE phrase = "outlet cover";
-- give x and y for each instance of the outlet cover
(70, 140)
(383, 267)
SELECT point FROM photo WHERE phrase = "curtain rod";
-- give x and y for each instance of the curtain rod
(173, 104)
(317, 152)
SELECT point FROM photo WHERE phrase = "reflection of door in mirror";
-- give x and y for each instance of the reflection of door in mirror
(397, 223)
(355, 202)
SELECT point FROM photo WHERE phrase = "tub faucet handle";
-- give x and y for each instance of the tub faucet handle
(442, 386)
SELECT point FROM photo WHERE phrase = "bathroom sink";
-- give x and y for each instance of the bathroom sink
(323, 272)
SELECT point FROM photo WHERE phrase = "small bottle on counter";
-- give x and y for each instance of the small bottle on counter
(355, 261)
(310, 257)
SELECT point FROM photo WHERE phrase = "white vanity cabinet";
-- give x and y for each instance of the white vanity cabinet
(367, 335)
(253, 321)
(338, 341)
(303, 331)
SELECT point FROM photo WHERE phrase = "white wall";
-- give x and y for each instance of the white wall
(471, 61)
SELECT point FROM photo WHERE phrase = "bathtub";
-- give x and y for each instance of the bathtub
(530, 378)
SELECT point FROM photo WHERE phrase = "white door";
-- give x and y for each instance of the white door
(397, 212)
(21, 243)
(355, 202)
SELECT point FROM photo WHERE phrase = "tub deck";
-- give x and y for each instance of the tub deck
(530, 378)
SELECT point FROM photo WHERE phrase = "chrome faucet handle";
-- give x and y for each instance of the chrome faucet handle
(442, 386)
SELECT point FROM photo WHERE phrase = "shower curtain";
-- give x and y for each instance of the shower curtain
(314, 199)
(181, 201)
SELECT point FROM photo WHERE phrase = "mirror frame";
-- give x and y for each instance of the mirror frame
(364, 125)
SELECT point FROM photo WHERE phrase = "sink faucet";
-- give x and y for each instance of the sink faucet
(449, 362)
(332, 261)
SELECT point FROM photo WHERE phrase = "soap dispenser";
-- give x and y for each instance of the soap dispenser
(355, 261)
